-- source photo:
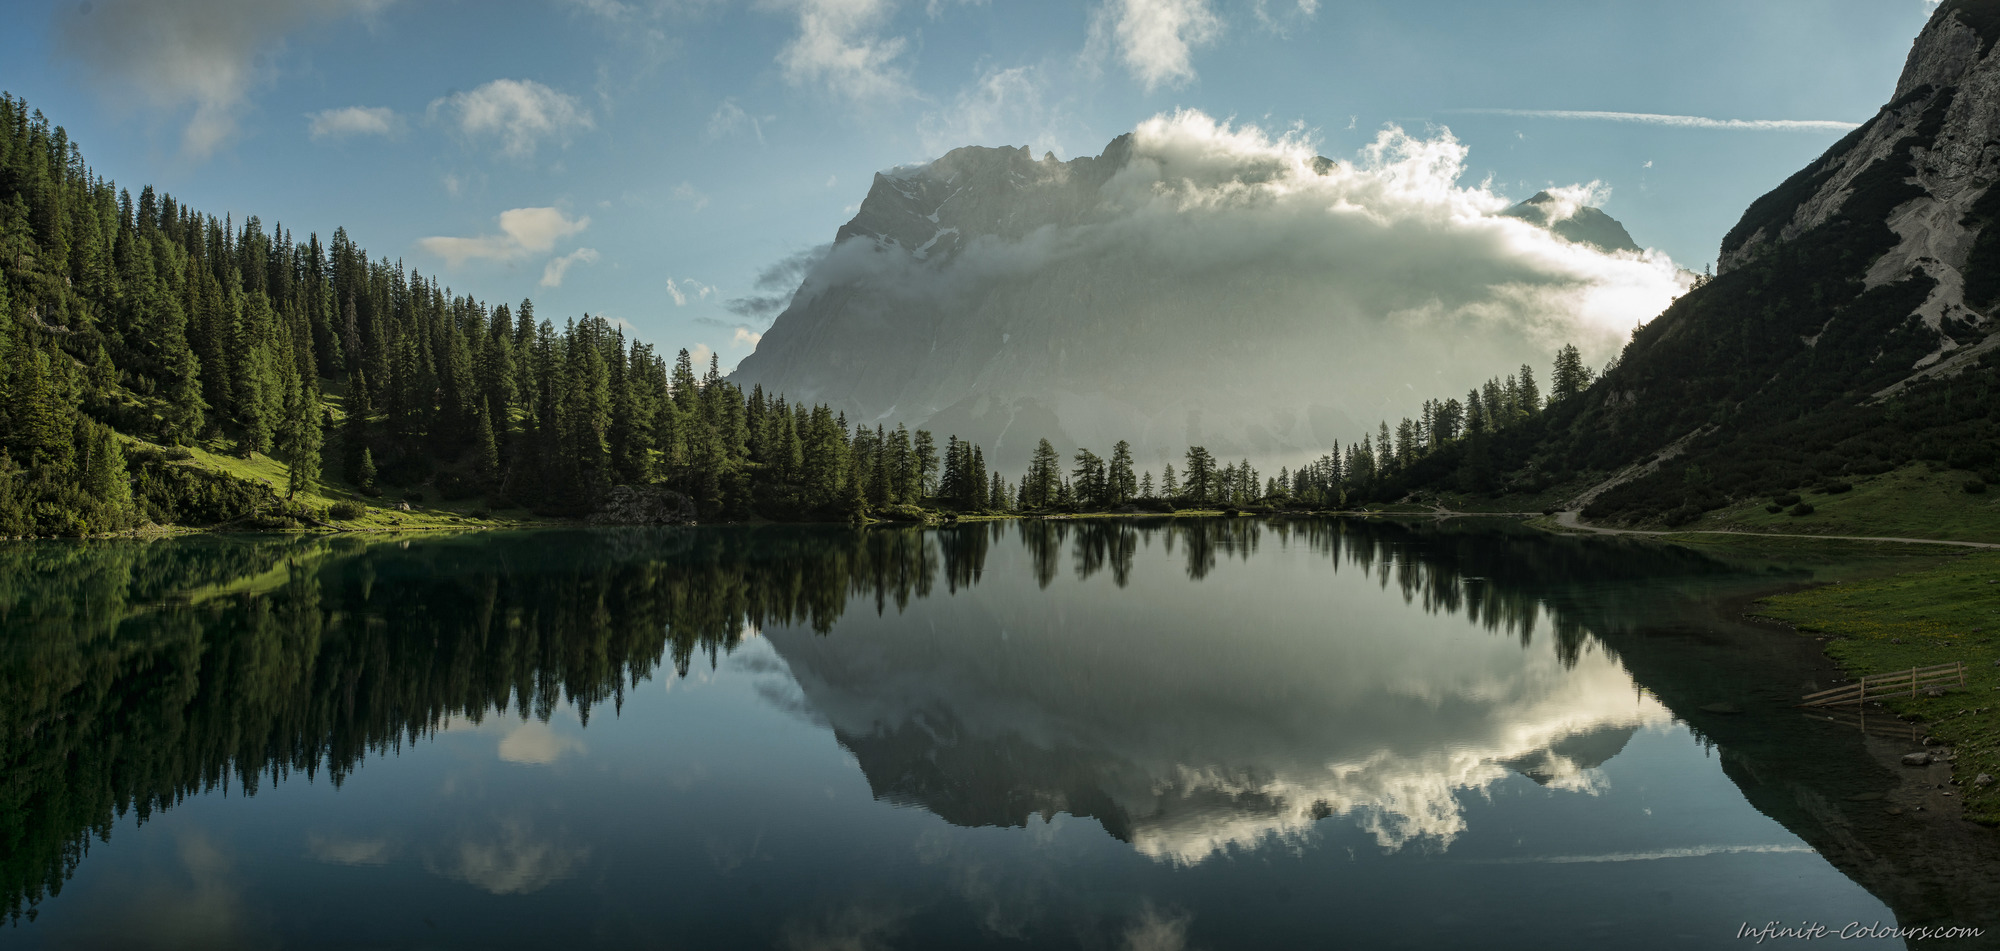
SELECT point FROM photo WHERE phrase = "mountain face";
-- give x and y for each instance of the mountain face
(1849, 329)
(1582, 225)
(1193, 284)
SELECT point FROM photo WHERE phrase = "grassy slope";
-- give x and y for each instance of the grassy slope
(381, 514)
(1947, 612)
(1911, 502)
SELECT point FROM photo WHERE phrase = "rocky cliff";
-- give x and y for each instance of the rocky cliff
(1922, 167)
(1849, 330)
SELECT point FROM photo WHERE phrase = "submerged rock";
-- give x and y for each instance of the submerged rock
(1917, 759)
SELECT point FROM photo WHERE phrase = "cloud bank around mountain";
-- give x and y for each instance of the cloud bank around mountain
(1391, 237)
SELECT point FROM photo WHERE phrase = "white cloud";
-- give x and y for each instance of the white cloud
(523, 231)
(1156, 39)
(1685, 122)
(352, 120)
(681, 289)
(699, 355)
(204, 53)
(452, 183)
(839, 48)
(745, 335)
(521, 113)
(1002, 107)
(686, 192)
(729, 119)
(552, 273)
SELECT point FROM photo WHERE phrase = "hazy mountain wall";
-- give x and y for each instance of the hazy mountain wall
(1195, 283)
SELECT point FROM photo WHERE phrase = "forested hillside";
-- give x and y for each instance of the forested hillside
(134, 326)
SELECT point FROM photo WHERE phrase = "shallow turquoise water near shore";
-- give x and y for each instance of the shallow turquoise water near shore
(1118, 734)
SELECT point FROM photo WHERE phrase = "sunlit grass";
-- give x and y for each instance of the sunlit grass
(1948, 612)
(1911, 502)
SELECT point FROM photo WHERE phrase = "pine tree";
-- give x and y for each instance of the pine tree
(1040, 486)
(1122, 486)
(486, 460)
(925, 451)
(300, 436)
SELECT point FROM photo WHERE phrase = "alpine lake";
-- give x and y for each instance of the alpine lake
(1114, 733)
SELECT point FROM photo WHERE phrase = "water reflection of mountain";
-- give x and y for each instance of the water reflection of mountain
(1185, 720)
(139, 673)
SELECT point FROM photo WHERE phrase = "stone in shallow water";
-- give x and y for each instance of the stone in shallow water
(1917, 759)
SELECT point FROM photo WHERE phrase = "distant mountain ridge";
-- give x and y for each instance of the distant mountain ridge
(1006, 298)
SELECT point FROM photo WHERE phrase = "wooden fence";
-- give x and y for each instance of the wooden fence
(1902, 683)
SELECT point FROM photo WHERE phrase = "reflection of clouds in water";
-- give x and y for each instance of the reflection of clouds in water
(537, 743)
(1154, 930)
(339, 851)
(534, 742)
(204, 910)
(1342, 702)
(860, 926)
(1408, 797)
(509, 860)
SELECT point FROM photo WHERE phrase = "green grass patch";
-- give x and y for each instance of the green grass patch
(1947, 612)
(1910, 502)
(378, 514)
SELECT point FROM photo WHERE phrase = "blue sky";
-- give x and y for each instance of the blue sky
(648, 159)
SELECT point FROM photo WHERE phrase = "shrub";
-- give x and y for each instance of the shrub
(453, 487)
(1834, 488)
(1973, 486)
(1789, 498)
(1803, 508)
(1774, 509)
(346, 511)
(414, 498)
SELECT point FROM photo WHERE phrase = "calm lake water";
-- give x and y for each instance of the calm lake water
(1112, 734)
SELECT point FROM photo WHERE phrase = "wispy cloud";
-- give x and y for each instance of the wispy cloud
(1685, 122)
(1155, 39)
(523, 231)
(840, 48)
(521, 113)
(684, 288)
(729, 118)
(777, 283)
(207, 53)
(351, 121)
(552, 273)
(686, 192)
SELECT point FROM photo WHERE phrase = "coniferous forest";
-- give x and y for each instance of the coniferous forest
(137, 329)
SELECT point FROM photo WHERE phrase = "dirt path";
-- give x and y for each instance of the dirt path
(1572, 520)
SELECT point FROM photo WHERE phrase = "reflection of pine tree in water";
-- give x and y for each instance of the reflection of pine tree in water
(140, 673)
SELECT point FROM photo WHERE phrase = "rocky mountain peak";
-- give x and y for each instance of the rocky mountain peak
(1909, 188)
